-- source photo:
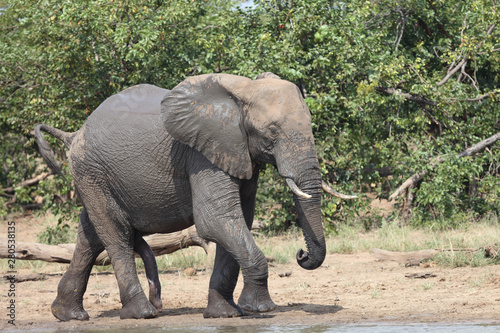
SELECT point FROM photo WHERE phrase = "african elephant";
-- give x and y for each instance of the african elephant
(149, 160)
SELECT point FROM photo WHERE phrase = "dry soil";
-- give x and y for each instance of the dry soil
(355, 288)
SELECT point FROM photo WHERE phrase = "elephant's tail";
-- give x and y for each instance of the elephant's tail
(45, 149)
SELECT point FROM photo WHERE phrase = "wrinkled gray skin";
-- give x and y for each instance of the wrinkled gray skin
(149, 160)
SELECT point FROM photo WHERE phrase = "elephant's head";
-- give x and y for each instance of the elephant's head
(234, 121)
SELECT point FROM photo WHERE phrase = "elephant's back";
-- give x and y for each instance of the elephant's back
(139, 101)
(127, 127)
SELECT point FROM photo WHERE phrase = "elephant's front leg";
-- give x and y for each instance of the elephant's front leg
(222, 284)
(219, 217)
(248, 191)
(254, 297)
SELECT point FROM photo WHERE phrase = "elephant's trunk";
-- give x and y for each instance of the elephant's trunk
(309, 217)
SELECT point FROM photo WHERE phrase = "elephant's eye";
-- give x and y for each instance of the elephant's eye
(273, 130)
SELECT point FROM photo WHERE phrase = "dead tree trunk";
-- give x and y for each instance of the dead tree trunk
(63, 253)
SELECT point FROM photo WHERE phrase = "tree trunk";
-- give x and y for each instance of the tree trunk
(63, 253)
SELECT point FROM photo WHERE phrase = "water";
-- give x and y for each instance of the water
(343, 328)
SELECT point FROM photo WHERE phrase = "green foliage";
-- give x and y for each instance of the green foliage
(60, 233)
(390, 84)
(19, 164)
(275, 202)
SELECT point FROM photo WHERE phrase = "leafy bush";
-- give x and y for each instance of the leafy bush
(60, 232)
(391, 85)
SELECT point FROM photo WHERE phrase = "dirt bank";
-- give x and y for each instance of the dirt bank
(346, 289)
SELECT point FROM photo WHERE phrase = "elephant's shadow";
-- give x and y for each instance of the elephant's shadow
(311, 309)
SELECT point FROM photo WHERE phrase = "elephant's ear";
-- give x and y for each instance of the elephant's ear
(203, 113)
(267, 75)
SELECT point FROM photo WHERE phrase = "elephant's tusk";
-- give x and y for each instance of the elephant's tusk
(296, 190)
(331, 191)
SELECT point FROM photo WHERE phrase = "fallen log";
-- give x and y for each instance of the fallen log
(405, 258)
(468, 152)
(63, 253)
(420, 275)
(416, 257)
(24, 278)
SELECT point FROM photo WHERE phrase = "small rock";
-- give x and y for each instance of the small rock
(428, 264)
(491, 251)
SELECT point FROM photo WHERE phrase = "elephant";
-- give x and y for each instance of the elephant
(152, 160)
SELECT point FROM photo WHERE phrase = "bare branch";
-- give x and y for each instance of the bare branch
(463, 28)
(477, 99)
(469, 77)
(420, 77)
(28, 182)
(463, 62)
(468, 152)
(415, 98)
(494, 50)
(414, 179)
(211, 27)
(451, 72)
(490, 29)
(403, 24)
(480, 145)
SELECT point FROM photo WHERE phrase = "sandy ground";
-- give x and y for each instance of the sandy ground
(353, 288)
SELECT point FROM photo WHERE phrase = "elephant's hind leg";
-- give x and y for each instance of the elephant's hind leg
(117, 235)
(69, 301)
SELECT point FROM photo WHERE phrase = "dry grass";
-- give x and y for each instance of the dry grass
(349, 239)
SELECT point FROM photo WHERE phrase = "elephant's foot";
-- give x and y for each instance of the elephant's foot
(219, 307)
(255, 298)
(65, 312)
(137, 308)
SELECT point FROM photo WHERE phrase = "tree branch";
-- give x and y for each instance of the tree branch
(425, 101)
(480, 145)
(28, 182)
(468, 152)
(463, 62)
(415, 98)
(477, 99)
(453, 71)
